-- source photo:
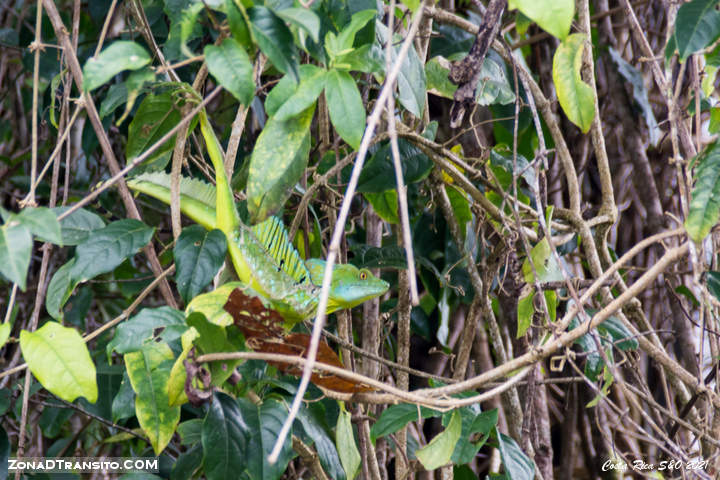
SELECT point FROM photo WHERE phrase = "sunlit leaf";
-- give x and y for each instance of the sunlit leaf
(576, 97)
(120, 55)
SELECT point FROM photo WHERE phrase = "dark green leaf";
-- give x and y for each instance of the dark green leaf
(697, 25)
(4, 453)
(232, 68)
(76, 228)
(120, 55)
(517, 465)
(15, 248)
(265, 421)
(286, 88)
(164, 323)
(52, 420)
(106, 248)
(225, 437)
(42, 222)
(378, 174)
(238, 22)
(493, 85)
(367, 256)
(705, 203)
(190, 431)
(187, 464)
(324, 445)
(619, 333)
(123, 405)
(396, 417)
(59, 290)
(275, 40)
(347, 112)
(199, 254)
(303, 18)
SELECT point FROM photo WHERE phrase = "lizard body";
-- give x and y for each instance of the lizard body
(262, 255)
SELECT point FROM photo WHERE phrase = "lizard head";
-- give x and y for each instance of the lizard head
(350, 285)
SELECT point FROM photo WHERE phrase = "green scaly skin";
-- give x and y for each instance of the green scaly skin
(295, 295)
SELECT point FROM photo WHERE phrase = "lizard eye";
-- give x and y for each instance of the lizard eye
(363, 275)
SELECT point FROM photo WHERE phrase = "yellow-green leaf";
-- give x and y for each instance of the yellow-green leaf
(576, 97)
(439, 451)
(149, 371)
(59, 359)
(553, 16)
(277, 163)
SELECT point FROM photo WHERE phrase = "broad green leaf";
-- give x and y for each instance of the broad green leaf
(15, 248)
(225, 437)
(187, 464)
(76, 228)
(437, 70)
(4, 449)
(553, 16)
(525, 312)
(211, 338)
(640, 94)
(176, 381)
(116, 95)
(42, 222)
(238, 22)
(411, 80)
(277, 163)
(367, 256)
(232, 68)
(619, 333)
(119, 56)
(190, 431)
(347, 112)
(517, 465)
(346, 446)
(713, 283)
(312, 82)
(188, 26)
(106, 248)
(58, 357)
(697, 26)
(5, 329)
(313, 426)
(303, 18)
(476, 428)
(123, 405)
(493, 85)
(576, 97)
(148, 370)
(134, 85)
(199, 254)
(502, 156)
(547, 268)
(286, 88)
(52, 420)
(150, 325)
(156, 115)
(211, 304)
(346, 37)
(385, 205)
(396, 417)
(265, 421)
(460, 203)
(275, 40)
(378, 174)
(59, 290)
(705, 203)
(438, 452)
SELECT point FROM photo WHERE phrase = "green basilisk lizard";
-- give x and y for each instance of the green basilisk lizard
(262, 255)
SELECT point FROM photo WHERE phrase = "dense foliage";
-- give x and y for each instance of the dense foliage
(537, 180)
